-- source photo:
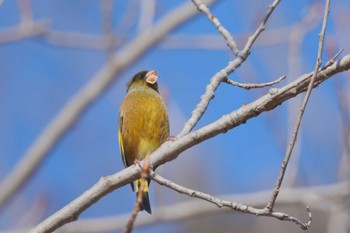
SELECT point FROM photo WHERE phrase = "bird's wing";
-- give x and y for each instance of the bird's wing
(121, 145)
(120, 138)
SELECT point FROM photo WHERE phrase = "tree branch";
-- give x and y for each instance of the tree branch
(171, 149)
(249, 86)
(290, 148)
(145, 172)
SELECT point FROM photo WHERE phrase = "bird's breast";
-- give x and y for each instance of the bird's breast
(145, 124)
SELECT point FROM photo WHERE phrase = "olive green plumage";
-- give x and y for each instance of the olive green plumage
(143, 123)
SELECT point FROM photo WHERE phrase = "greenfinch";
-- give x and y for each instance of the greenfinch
(143, 124)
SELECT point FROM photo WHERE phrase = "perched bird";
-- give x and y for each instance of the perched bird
(143, 124)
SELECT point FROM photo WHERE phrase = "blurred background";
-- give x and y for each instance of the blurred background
(43, 67)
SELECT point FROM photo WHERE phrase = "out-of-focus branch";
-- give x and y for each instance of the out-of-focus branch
(80, 41)
(22, 31)
(290, 148)
(249, 86)
(170, 150)
(71, 112)
(69, 39)
(219, 77)
(25, 11)
(147, 8)
(221, 29)
(338, 218)
(107, 26)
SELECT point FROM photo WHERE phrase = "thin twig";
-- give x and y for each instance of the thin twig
(221, 29)
(145, 171)
(219, 77)
(71, 112)
(130, 225)
(333, 59)
(296, 37)
(249, 86)
(230, 204)
(170, 150)
(275, 192)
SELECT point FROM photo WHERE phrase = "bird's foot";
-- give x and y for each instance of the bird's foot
(171, 138)
(145, 167)
(138, 162)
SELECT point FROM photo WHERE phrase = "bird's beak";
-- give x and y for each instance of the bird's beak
(151, 77)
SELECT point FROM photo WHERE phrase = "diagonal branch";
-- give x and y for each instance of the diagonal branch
(170, 150)
(290, 148)
(221, 29)
(71, 112)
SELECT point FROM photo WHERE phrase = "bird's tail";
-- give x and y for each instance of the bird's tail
(144, 205)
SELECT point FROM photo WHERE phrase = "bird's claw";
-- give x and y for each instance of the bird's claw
(171, 138)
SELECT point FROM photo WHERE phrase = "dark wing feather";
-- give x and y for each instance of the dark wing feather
(121, 145)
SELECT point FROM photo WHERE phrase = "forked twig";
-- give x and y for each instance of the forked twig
(219, 77)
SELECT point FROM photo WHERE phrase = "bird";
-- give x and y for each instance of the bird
(143, 124)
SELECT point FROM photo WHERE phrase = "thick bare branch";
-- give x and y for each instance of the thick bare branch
(93, 89)
(171, 149)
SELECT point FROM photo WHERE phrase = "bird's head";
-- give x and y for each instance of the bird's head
(143, 79)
